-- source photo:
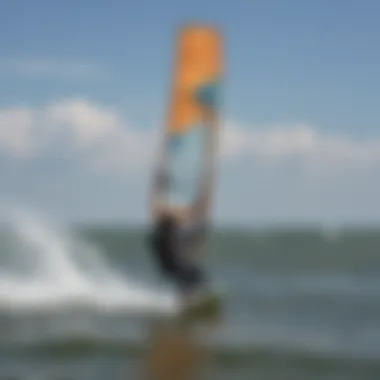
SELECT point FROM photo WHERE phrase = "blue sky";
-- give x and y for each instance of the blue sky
(84, 86)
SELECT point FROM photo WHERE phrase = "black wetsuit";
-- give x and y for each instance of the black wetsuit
(170, 245)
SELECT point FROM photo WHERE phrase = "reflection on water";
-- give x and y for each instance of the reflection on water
(175, 352)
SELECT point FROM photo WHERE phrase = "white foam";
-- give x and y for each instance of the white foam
(46, 267)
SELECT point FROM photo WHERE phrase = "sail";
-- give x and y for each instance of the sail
(186, 163)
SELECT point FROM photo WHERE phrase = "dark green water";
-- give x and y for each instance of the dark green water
(300, 304)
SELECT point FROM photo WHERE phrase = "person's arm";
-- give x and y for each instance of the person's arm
(199, 235)
(180, 213)
(159, 184)
(155, 196)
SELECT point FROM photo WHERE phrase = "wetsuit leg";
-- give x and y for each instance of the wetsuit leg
(189, 278)
(186, 274)
(165, 256)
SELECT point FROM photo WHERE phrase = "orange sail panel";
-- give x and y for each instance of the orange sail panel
(192, 117)
(197, 63)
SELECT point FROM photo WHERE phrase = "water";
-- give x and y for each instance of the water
(300, 304)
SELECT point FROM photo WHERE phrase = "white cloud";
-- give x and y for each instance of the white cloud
(278, 143)
(68, 146)
(99, 136)
(31, 66)
(16, 131)
(74, 127)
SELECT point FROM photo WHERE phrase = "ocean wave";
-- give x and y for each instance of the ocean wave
(224, 354)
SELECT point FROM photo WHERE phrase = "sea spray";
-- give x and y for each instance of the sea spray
(44, 266)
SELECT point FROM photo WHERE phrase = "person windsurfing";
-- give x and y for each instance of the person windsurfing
(180, 231)
(182, 188)
(175, 242)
